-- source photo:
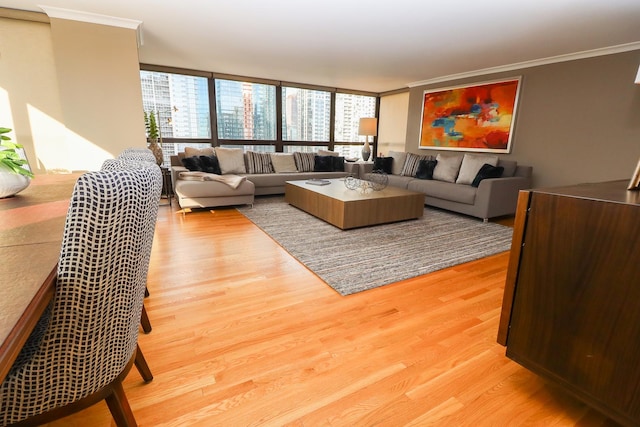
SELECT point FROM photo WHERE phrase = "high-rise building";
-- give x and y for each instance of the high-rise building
(180, 102)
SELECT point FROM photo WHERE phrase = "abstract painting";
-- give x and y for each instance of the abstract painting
(470, 118)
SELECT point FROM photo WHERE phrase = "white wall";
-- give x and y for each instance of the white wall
(392, 126)
(70, 90)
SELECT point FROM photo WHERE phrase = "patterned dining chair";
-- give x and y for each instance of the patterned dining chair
(134, 158)
(84, 346)
(144, 155)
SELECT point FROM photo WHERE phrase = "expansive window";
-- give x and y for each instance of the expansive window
(181, 106)
(247, 114)
(306, 115)
(245, 111)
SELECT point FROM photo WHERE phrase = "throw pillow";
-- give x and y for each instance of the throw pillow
(471, 164)
(337, 163)
(304, 161)
(447, 167)
(192, 163)
(193, 151)
(323, 164)
(258, 162)
(384, 164)
(231, 160)
(425, 169)
(411, 164)
(399, 157)
(487, 171)
(327, 153)
(283, 163)
(210, 164)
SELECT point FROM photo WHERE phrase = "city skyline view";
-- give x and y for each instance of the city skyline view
(246, 111)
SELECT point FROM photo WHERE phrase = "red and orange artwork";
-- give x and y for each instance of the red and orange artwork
(470, 118)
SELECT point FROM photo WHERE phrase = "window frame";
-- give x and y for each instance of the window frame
(278, 143)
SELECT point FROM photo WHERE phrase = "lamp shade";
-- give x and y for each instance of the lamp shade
(368, 126)
(636, 82)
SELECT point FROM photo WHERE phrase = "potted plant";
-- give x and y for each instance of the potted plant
(153, 133)
(14, 177)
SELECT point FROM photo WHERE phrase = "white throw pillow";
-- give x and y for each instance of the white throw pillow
(399, 158)
(447, 167)
(327, 153)
(471, 164)
(283, 162)
(231, 160)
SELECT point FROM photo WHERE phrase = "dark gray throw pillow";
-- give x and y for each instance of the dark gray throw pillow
(323, 164)
(337, 163)
(384, 164)
(425, 169)
(487, 171)
(192, 163)
(210, 164)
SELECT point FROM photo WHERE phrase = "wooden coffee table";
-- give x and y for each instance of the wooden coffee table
(344, 208)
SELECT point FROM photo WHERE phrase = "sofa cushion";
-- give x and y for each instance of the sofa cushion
(487, 171)
(337, 164)
(425, 169)
(398, 180)
(323, 164)
(304, 161)
(278, 180)
(399, 157)
(231, 160)
(448, 167)
(283, 162)
(258, 162)
(444, 190)
(204, 189)
(471, 164)
(193, 151)
(384, 164)
(411, 164)
(327, 153)
(509, 167)
(192, 163)
(210, 164)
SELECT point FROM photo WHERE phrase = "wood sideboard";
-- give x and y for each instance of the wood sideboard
(571, 307)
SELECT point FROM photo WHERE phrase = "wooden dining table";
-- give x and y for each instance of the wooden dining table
(31, 228)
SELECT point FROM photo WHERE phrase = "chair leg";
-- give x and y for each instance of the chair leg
(119, 407)
(144, 321)
(141, 365)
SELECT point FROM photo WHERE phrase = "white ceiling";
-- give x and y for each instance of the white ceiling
(373, 46)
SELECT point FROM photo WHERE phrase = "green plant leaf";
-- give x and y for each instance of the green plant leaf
(9, 158)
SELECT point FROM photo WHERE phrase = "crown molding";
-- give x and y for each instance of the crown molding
(534, 63)
(94, 18)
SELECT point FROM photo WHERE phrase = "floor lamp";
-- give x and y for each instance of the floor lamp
(368, 127)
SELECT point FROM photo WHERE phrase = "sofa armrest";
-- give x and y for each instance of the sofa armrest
(499, 196)
(175, 174)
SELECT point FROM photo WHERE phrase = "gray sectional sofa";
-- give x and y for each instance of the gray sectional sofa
(452, 188)
(450, 184)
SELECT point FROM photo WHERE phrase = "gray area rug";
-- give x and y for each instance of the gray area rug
(355, 260)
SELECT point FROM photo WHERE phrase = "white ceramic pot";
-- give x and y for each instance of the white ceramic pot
(12, 183)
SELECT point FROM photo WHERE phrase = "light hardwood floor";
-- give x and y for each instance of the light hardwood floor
(244, 335)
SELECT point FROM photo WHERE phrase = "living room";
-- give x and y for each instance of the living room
(578, 121)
